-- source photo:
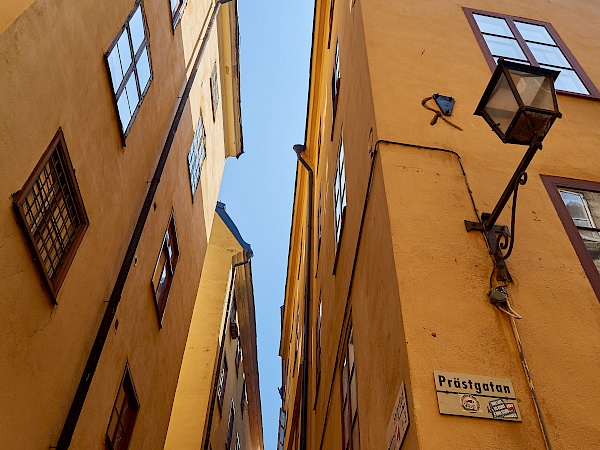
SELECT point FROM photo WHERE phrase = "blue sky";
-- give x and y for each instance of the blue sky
(258, 188)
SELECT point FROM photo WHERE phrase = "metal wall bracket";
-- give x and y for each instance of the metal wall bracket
(497, 238)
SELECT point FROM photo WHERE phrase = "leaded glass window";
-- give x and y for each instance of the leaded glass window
(52, 212)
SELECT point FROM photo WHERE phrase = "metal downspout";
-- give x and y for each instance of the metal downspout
(299, 149)
(88, 374)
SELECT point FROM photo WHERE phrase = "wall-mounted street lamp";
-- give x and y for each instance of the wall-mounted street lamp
(520, 105)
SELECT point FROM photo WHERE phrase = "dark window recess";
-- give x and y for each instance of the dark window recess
(52, 214)
(233, 321)
(577, 203)
(238, 356)
(230, 426)
(177, 7)
(214, 91)
(335, 83)
(339, 193)
(529, 42)
(124, 413)
(331, 9)
(350, 398)
(128, 61)
(165, 268)
(196, 156)
(244, 399)
(222, 381)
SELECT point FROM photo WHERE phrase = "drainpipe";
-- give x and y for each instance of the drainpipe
(248, 254)
(299, 149)
(111, 310)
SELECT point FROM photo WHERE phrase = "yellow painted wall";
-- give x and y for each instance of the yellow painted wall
(418, 289)
(194, 387)
(54, 75)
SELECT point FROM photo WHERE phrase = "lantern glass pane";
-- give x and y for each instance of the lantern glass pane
(535, 90)
(502, 106)
(529, 124)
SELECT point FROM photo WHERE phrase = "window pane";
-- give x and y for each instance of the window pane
(124, 51)
(549, 55)
(114, 64)
(535, 33)
(136, 25)
(492, 25)
(568, 81)
(504, 47)
(132, 94)
(123, 108)
(143, 70)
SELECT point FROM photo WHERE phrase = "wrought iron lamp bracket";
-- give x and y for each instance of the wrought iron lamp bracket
(500, 237)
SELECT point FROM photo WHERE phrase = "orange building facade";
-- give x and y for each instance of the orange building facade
(389, 337)
(117, 119)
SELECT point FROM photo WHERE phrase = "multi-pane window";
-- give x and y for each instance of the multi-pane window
(196, 155)
(222, 381)
(165, 268)
(177, 7)
(350, 398)
(51, 209)
(124, 413)
(281, 435)
(339, 193)
(230, 426)
(128, 61)
(529, 42)
(578, 205)
(335, 80)
(214, 90)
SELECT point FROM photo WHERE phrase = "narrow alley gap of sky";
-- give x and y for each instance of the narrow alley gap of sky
(258, 188)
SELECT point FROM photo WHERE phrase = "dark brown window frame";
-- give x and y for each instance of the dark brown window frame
(178, 13)
(57, 144)
(160, 300)
(593, 92)
(117, 91)
(553, 184)
(129, 389)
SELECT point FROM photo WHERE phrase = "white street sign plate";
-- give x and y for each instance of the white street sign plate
(461, 394)
(398, 423)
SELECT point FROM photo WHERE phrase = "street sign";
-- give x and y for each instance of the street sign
(398, 423)
(467, 395)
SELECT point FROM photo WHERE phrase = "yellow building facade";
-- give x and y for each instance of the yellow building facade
(117, 119)
(217, 402)
(389, 338)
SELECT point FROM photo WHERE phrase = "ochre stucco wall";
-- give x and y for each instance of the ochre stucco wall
(418, 301)
(54, 75)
